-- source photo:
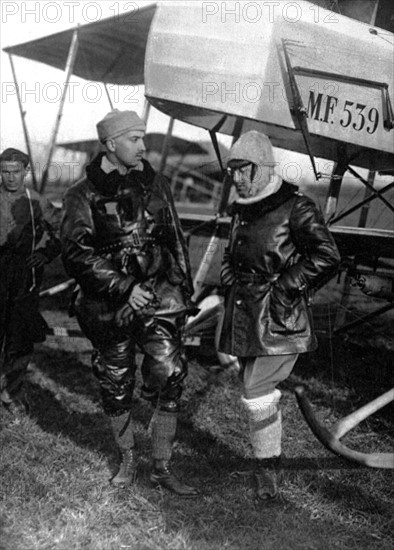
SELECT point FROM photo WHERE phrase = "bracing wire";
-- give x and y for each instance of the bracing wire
(354, 316)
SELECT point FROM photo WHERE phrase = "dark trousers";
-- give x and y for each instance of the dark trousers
(114, 364)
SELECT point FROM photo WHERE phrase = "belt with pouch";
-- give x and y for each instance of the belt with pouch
(132, 242)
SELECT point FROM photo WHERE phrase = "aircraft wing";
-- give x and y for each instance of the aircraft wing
(312, 87)
(111, 50)
(81, 146)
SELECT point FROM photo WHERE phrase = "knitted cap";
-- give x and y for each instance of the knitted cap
(254, 147)
(116, 123)
(14, 155)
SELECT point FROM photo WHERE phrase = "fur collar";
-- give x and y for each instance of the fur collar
(268, 190)
(108, 184)
(265, 204)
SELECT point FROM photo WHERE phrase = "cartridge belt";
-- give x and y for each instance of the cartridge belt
(130, 242)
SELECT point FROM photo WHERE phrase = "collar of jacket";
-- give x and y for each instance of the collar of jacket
(12, 195)
(266, 204)
(111, 183)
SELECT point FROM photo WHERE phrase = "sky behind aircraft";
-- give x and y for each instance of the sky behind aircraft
(41, 85)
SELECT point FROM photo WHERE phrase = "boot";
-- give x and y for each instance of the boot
(266, 476)
(17, 408)
(162, 476)
(15, 405)
(127, 469)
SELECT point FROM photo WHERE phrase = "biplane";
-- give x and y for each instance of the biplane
(315, 81)
(233, 73)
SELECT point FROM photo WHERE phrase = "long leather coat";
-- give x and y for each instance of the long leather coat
(118, 231)
(279, 250)
(28, 222)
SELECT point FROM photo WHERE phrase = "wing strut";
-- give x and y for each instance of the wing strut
(299, 110)
(24, 125)
(213, 243)
(215, 144)
(72, 55)
(214, 139)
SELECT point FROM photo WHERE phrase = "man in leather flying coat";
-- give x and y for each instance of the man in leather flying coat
(279, 251)
(29, 240)
(122, 242)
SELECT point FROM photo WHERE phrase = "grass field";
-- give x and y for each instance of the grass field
(56, 463)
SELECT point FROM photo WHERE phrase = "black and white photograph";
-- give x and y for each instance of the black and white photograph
(197, 275)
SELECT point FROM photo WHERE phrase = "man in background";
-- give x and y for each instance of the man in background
(26, 219)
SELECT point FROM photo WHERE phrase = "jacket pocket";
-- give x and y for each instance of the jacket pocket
(284, 312)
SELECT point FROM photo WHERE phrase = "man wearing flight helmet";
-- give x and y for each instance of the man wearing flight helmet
(279, 251)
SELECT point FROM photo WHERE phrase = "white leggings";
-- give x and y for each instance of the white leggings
(260, 375)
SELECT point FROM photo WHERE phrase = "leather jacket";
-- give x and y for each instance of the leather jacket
(16, 227)
(279, 251)
(118, 231)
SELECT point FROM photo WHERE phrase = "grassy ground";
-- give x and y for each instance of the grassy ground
(57, 463)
